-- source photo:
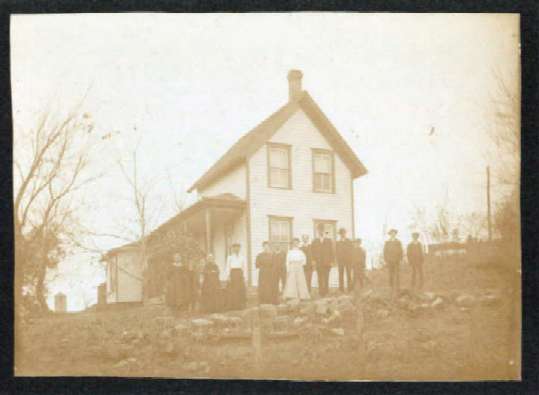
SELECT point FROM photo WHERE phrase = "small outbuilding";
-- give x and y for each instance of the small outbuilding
(124, 274)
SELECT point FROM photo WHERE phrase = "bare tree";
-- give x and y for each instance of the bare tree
(50, 166)
(505, 133)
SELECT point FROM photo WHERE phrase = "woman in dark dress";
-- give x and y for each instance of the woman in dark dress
(267, 292)
(236, 291)
(181, 286)
(210, 294)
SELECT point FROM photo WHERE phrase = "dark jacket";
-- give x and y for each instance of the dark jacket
(344, 252)
(359, 257)
(322, 252)
(393, 251)
(414, 252)
(307, 250)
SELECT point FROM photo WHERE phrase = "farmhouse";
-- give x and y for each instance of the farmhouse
(282, 179)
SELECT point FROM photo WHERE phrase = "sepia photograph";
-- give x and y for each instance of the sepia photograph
(309, 196)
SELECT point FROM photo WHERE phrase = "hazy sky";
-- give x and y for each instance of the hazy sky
(191, 85)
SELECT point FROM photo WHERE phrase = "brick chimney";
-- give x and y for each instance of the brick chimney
(294, 84)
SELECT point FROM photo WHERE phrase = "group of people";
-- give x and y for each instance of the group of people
(393, 256)
(185, 291)
(284, 275)
(289, 275)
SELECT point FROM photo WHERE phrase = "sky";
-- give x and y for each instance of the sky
(184, 87)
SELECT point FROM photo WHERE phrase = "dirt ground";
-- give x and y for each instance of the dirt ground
(451, 341)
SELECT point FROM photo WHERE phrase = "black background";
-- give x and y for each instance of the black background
(529, 203)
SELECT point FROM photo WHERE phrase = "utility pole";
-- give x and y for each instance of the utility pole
(489, 221)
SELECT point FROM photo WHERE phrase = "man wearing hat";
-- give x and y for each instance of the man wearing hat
(392, 256)
(344, 260)
(322, 259)
(415, 255)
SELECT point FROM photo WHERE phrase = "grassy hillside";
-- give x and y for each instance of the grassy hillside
(466, 326)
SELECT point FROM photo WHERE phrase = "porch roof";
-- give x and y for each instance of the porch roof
(226, 201)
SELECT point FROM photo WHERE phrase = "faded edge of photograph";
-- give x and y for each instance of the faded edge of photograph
(292, 196)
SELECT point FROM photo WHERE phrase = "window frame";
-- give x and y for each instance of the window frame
(288, 149)
(290, 221)
(314, 152)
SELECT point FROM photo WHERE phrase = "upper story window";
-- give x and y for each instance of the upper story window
(323, 171)
(279, 172)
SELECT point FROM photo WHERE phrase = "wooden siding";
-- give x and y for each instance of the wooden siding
(129, 278)
(300, 202)
(232, 182)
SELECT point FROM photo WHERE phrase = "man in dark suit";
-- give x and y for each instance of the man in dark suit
(415, 255)
(392, 256)
(308, 268)
(323, 258)
(344, 260)
(279, 259)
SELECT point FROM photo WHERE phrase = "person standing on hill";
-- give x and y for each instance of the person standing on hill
(415, 255)
(236, 291)
(344, 260)
(181, 286)
(392, 256)
(323, 257)
(308, 268)
(296, 286)
(266, 276)
(210, 290)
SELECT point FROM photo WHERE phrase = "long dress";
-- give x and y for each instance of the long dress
(181, 287)
(267, 292)
(210, 294)
(236, 291)
(296, 286)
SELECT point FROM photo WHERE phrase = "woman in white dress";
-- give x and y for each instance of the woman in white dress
(296, 286)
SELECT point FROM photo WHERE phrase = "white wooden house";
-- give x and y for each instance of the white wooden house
(290, 173)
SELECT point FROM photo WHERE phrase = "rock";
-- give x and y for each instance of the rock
(299, 322)
(465, 300)
(218, 319)
(164, 321)
(267, 311)
(181, 329)
(280, 323)
(321, 307)
(309, 309)
(293, 306)
(427, 296)
(282, 309)
(337, 331)
(122, 364)
(201, 323)
(437, 302)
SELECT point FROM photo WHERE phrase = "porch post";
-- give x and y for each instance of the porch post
(209, 244)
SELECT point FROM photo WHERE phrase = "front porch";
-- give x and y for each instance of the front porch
(214, 222)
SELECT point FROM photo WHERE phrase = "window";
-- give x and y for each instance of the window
(279, 175)
(280, 232)
(323, 171)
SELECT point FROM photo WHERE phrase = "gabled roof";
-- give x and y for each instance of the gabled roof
(253, 140)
